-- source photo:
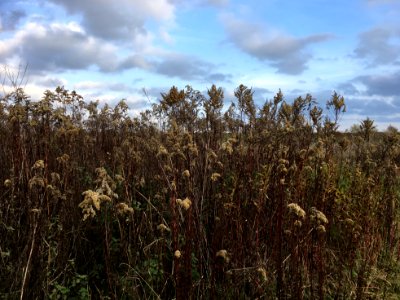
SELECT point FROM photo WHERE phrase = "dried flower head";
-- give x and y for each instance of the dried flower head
(318, 216)
(162, 151)
(193, 149)
(302, 153)
(297, 210)
(186, 174)
(163, 228)
(349, 222)
(262, 273)
(63, 159)
(36, 181)
(321, 229)
(119, 179)
(55, 177)
(297, 223)
(308, 169)
(283, 162)
(185, 204)
(212, 155)
(7, 183)
(123, 208)
(227, 147)
(215, 176)
(223, 254)
(178, 254)
(38, 165)
(92, 199)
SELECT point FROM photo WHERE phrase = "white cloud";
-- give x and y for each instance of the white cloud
(57, 47)
(118, 20)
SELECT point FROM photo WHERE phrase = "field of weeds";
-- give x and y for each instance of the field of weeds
(193, 201)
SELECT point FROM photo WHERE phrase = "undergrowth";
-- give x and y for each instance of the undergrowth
(189, 201)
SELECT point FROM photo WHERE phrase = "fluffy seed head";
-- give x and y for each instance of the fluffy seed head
(223, 254)
(123, 208)
(297, 210)
(318, 216)
(162, 228)
(321, 229)
(185, 204)
(38, 165)
(215, 176)
(186, 173)
(178, 254)
(262, 273)
(7, 183)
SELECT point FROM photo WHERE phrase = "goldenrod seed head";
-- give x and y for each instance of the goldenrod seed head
(283, 161)
(123, 208)
(36, 181)
(186, 173)
(162, 151)
(55, 177)
(318, 216)
(223, 254)
(215, 176)
(349, 222)
(308, 169)
(119, 178)
(321, 229)
(297, 210)
(39, 164)
(232, 140)
(302, 153)
(226, 146)
(262, 273)
(297, 223)
(7, 183)
(162, 228)
(178, 254)
(185, 204)
(63, 159)
(193, 149)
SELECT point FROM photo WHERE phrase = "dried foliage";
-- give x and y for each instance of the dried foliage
(276, 202)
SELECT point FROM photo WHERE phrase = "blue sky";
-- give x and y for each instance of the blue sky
(110, 50)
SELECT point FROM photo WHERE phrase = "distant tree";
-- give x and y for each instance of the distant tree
(212, 108)
(367, 127)
(355, 128)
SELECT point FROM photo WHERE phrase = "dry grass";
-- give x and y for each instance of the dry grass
(186, 201)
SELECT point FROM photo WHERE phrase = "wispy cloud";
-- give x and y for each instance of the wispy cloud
(10, 19)
(188, 68)
(286, 53)
(379, 45)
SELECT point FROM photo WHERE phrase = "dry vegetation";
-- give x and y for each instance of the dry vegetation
(188, 201)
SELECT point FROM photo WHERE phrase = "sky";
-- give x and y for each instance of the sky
(136, 49)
